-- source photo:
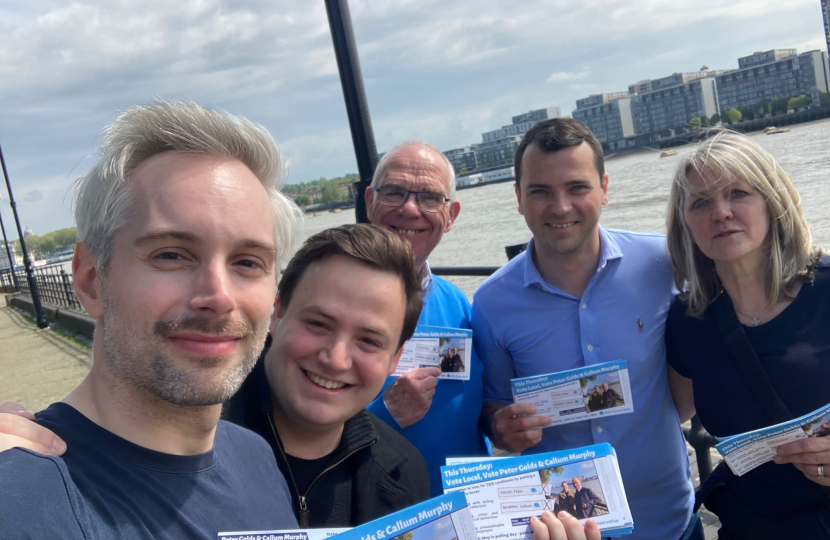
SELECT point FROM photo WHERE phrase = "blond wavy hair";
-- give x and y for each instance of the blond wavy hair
(724, 158)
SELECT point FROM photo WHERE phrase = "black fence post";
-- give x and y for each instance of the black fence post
(9, 253)
(351, 79)
(27, 262)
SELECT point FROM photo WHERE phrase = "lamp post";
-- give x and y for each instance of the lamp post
(27, 262)
(9, 252)
(351, 79)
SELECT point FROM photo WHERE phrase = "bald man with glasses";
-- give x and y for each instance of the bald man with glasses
(413, 195)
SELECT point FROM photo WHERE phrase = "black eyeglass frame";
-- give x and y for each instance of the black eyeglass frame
(417, 194)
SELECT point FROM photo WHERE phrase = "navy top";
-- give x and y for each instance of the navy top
(794, 349)
(107, 487)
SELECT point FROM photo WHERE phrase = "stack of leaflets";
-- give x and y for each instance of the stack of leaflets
(747, 451)
(445, 517)
(433, 346)
(578, 394)
(505, 493)
(308, 534)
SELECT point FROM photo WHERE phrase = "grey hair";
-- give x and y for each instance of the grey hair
(102, 199)
(380, 170)
(725, 157)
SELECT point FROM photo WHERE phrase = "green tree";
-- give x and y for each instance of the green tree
(825, 98)
(715, 119)
(405, 536)
(704, 120)
(734, 115)
(302, 200)
(695, 123)
(799, 102)
(583, 382)
(747, 112)
(779, 105)
(544, 474)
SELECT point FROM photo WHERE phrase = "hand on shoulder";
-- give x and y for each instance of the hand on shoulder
(17, 429)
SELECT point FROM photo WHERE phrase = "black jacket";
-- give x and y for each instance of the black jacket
(376, 470)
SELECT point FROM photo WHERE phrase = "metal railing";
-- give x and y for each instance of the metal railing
(54, 284)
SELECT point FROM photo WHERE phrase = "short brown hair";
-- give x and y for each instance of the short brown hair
(369, 244)
(556, 134)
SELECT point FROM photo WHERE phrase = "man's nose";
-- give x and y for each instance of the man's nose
(337, 356)
(213, 289)
(410, 205)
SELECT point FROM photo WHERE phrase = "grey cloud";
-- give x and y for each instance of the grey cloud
(33, 196)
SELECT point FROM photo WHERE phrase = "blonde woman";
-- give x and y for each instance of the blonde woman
(748, 341)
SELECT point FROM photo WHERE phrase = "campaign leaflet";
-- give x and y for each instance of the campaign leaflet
(578, 394)
(299, 534)
(445, 517)
(747, 451)
(434, 346)
(505, 493)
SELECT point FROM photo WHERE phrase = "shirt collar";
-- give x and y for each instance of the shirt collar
(609, 250)
(426, 277)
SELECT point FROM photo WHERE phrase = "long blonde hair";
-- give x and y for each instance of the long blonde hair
(728, 156)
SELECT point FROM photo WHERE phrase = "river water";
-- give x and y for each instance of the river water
(638, 192)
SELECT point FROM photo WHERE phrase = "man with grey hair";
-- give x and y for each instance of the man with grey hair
(413, 195)
(181, 232)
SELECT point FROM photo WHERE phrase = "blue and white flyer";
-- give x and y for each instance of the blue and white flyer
(446, 517)
(747, 451)
(578, 394)
(433, 346)
(306, 534)
(505, 493)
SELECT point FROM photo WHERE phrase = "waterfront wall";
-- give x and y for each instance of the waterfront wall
(69, 319)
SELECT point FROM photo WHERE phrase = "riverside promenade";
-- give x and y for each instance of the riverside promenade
(37, 367)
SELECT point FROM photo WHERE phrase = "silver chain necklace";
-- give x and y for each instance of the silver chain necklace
(754, 321)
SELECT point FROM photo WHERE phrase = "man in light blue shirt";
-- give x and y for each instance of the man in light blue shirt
(582, 295)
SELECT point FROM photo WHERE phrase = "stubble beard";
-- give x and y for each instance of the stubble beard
(136, 357)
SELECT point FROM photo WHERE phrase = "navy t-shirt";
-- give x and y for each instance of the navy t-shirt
(794, 349)
(106, 487)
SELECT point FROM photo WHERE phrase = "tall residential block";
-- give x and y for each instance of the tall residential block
(780, 73)
(671, 102)
(521, 124)
(608, 116)
(463, 159)
(825, 13)
(497, 147)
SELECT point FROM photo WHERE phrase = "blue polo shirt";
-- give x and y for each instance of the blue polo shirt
(524, 326)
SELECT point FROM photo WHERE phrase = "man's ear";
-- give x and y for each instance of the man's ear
(518, 197)
(86, 281)
(393, 365)
(275, 316)
(369, 196)
(455, 209)
(604, 184)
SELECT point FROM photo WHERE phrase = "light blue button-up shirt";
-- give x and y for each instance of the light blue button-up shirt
(524, 326)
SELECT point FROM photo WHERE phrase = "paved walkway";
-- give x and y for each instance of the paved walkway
(38, 367)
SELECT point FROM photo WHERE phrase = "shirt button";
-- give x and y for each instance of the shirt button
(584, 305)
(590, 348)
(599, 429)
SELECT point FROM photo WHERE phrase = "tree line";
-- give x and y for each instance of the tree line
(779, 105)
(43, 246)
(334, 190)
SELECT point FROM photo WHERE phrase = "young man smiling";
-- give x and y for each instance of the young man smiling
(347, 302)
(579, 296)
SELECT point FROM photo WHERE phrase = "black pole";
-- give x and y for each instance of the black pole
(27, 262)
(9, 254)
(348, 64)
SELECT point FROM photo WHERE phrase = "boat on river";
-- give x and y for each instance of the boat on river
(668, 153)
(772, 130)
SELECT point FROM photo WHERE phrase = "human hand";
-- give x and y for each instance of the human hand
(410, 397)
(807, 455)
(516, 429)
(565, 527)
(18, 430)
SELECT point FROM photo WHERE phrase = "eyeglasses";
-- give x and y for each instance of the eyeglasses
(428, 201)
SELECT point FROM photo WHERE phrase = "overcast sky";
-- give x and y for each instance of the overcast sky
(443, 71)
